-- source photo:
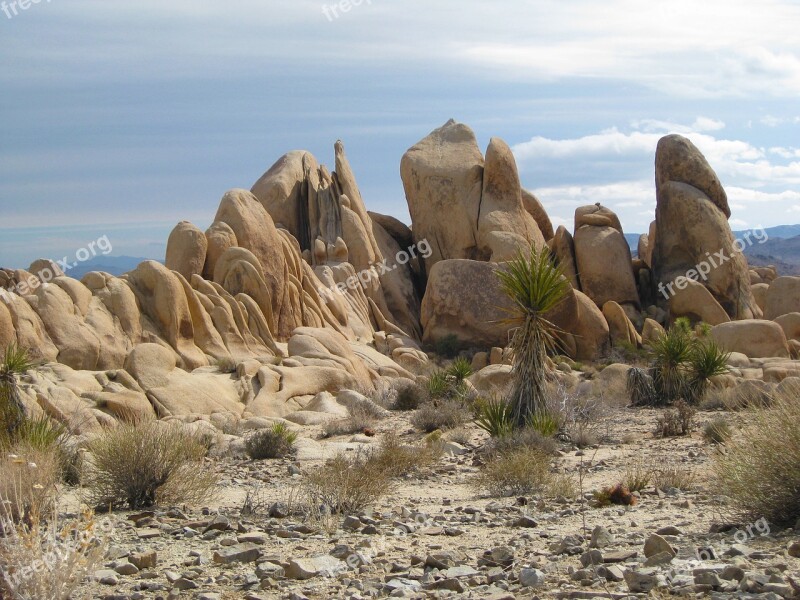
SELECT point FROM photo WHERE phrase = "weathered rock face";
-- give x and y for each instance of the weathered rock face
(620, 327)
(443, 176)
(692, 229)
(783, 297)
(563, 247)
(754, 338)
(603, 259)
(696, 302)
(533, 205)
(504, 226)
(186, 250)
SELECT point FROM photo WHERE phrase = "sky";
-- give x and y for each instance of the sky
(121, 118)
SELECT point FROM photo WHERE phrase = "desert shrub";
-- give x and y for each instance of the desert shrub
(15, 362)
(495, 417)
(399, 459)
(69, 552)
(760, 472)
(146, 464)
(670, 353)
(580, 417)
(676, 422)
(460, 435)
(717, 431)
(460, 369)
(409, 397)
(637, 476)
(346, 485)
(520, 472)
(28, 484)
(226, 365)
(526, 438)
(616, 494)
(276, 442)
(668, 475)
(439, 414)
(447, 346)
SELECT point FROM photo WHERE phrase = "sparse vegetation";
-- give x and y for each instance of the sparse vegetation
(276, 442)
(526, 438)
(146, 464)
(409, 397)
(677, 421)
(495, 417)
(535, 286)
(28, 484)
(760, 471)
(346, 485)
(667, 475)
(399, 459)
(440, 414)
(447, 346)
(12, 412)
(519, 472)
(616, 494)
(717, 431)
(637, 476)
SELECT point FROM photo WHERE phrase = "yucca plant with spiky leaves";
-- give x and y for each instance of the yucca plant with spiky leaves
(535, 286)
(706, 360)
(671, 352)
(495, 418)
(12, 412)
(640, 387)
(460, 369)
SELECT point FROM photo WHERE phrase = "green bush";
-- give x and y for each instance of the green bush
(409, 397)
(448, 346)
(495, 417)
(460, 369)
(276, 442)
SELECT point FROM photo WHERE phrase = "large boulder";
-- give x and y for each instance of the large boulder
(783, 297)
(620, 327)
(693, 239)
(603, 259)
(504, 226)
(464, 299)
(563, 247)
(753, 338)
(693, 300)
(219, 238)
(443, 176)
(186, 250)
(790, 323)
(536, 209)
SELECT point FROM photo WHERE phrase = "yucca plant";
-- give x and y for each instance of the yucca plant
(544, 423)
(495, 417)
(460, 369)
(535, 286)
(640, 387)
(706, 360)
(437, 385)
(12, 412)
(670, 353)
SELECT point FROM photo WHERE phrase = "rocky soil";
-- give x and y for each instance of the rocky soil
(435, 536)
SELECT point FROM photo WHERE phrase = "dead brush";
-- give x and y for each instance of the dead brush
(675, 422)
(521, 472)
(399, 459)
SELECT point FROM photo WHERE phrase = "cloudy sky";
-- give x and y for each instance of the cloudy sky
(121, 118)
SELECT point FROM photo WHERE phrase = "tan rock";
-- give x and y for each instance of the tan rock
(652, 331)
(679, 160)
(783, 297)
(620, 327)
(591, 331)
(220, 237)
(281, 189)
(186, 250)
(760, 293)
(753, 338)
(603, 259)
(697, 303)
(494, 379)
(564, 251)
(504, 226)
(790, 323)
(535, 208)
(330, 349)
(443, 175)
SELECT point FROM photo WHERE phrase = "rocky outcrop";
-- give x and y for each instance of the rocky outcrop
(783, 297)
(693, 300)
(186, 250)
(753, 338)
(692, 231)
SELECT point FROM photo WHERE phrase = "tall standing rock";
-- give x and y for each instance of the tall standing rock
(443, 180)
(603, 259)
(504, 226)
(186, 250)
(692, 229)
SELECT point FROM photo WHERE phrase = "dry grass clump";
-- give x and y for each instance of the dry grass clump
(750, 394)
(637, 476)
(520, 472)
(440, 414)
(28, 480)
(276, 442)
(49, 560)
(673, 476)
(526, 438)
(409, 397)
(363, 415)
(148, 463)
(717, 431)
(676, 422)
(346, 485)
(399, 459)
(760, 472)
